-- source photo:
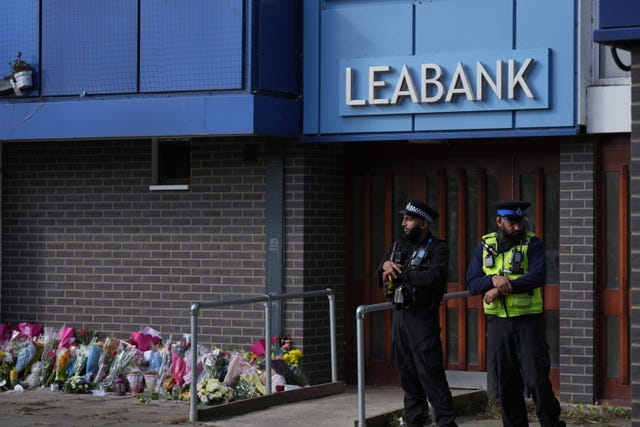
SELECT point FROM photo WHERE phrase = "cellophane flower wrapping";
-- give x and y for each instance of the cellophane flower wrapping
(250, 385)
(236, 365)
(62, 364)
(127, 359)
(82, 356)
(202, 352)
(164, 371)
(109, 351)
(93, 360)
(48, 371)
(67, 337)
(211, 392)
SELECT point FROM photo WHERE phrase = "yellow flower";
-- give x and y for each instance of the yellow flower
(293, 357)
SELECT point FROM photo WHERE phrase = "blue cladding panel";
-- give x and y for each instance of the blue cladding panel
(366, 31)
(311, 66)
(278, 46)
(89, 45)
(191, 45)
(462, 26)
(619, 13)
(379, 29)
(553, 30)
(188, 115)
(19, 32)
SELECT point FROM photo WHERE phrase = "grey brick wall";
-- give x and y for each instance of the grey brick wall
(86, 243)
(577, 271)
(314, 210)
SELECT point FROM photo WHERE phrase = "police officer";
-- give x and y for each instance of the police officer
(414, 272)
(509, 269)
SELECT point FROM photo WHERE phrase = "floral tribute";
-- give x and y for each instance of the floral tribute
(77, 360)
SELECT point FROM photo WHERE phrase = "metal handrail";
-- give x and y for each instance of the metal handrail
(360, 312)
(267, 299)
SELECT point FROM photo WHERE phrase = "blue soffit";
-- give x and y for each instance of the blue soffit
(150, 116)
(440, 137)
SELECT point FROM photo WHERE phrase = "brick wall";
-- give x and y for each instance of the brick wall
(86, 243)
(314, 210)
(577, 271)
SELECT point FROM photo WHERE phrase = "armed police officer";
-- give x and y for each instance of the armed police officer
(414, 275)
(509, 269)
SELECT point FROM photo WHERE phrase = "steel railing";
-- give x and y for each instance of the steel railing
(360, 312)
(268, 301)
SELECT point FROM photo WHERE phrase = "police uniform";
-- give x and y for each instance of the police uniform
(417, 348)
(517, 350)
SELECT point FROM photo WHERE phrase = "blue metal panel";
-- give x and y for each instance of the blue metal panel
(191, 45)
(89, 45)
(311, 66)
(278, 46)
(619, 13)
(371, 30)
(148, 117)
(618, 36)
(557, 31)
(366, 31)
(463, 26)
(20, 31)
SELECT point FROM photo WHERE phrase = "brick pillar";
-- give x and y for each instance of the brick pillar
(634, 239)
(577, 271)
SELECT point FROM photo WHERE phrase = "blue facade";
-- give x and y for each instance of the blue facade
(152, 68)
(619, 22)
(460, 40)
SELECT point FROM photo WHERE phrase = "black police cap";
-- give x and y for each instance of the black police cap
(513, 210)
(417, 208)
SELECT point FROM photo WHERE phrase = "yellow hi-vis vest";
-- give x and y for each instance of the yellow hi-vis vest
(516, 304)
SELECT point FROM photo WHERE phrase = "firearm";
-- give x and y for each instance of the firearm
(396, 256)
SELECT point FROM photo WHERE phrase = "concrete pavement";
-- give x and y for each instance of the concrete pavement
(42, 407)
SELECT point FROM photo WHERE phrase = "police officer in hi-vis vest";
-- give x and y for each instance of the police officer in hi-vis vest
(413, 273)
(509, 269)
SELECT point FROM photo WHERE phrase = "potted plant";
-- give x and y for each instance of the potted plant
(22, 73)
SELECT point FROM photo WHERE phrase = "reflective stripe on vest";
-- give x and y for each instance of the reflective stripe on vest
(516, 304)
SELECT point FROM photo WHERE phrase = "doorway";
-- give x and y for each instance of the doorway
(460, 180)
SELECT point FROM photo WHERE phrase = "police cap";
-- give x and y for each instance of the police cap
(417, 208)
(513, 210)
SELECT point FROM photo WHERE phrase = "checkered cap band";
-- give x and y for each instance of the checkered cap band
(410, 208)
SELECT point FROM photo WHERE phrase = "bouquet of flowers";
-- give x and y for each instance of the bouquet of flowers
(127, 359)
(62, 364)
(77, 384)
(81, 356)
(6, 362)
(48, 363)
(109, 352)
(212, 392)
(249, 385)
(85, 335)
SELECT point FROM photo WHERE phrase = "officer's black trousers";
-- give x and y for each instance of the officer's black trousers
(518, 350)
(418, 354)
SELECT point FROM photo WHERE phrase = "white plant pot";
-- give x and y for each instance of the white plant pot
(23, 80)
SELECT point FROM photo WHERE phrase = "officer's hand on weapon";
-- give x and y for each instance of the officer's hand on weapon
(390, 268)
(502, 284)
(491, 295)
